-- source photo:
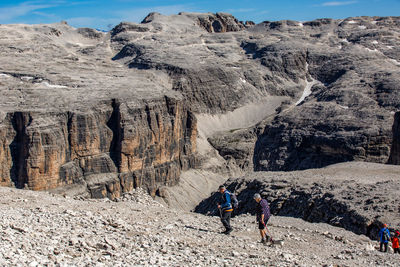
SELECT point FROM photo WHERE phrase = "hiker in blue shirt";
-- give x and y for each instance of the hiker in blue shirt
(384, 237)
(225, 209)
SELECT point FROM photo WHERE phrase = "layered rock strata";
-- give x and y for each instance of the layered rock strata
(111, 149)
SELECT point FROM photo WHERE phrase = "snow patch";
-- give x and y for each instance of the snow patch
(372, 51)
(344, 41)
(374, 42)
(344, 107)
(395, 61)
(82, 45)
(300, 24)
(390, 47)
(307, 90)
(242, 80)
(374, 22)
(52, 85)
(362, 27)
(26, 78)
(3, 75)
(351, 22)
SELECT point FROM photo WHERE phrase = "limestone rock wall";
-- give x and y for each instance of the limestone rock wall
(395, 151)
(109, 149)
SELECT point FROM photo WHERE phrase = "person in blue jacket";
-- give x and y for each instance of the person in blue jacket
(384, 237)
(225, 209)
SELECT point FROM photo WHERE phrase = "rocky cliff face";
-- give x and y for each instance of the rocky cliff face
(395, 152)
(351, 74)
(108, 150)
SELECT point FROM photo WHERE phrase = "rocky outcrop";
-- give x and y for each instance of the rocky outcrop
(318, 135)
(220, 22)
(358, 196)
(109, 150)
(236, 147)
(395, 151)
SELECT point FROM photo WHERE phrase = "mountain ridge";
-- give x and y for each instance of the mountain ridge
(178, 68)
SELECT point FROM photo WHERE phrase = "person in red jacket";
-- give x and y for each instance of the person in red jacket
(395, 242)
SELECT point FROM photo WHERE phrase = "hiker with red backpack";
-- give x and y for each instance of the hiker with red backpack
(395, 242)
(263, 214)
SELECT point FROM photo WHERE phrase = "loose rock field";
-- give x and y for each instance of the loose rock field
(41, 229)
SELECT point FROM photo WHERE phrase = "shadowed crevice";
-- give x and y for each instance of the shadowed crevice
(114, 123)
(19, 149)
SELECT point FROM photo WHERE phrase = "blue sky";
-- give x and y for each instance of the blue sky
(103, 14)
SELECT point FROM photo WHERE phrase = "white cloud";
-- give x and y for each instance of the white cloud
(46, 15)
(263, 12)
(9, 13)
(241, 10)
(337, 3)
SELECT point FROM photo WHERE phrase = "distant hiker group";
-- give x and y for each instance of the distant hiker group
(385, 237)
(228, 203)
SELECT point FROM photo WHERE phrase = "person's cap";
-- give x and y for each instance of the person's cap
(221, 187)
(384, 225)
(256, 196)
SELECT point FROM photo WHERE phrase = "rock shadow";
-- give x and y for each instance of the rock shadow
(19, 149)
(114, 123)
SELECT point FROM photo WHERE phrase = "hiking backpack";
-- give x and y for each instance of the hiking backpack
(386, 236)
(234, 201)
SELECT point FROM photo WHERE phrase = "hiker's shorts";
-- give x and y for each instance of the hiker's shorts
(261, 225)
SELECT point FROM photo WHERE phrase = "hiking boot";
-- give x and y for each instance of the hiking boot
(227, 232)
(263, 241)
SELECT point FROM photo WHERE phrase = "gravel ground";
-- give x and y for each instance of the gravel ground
(41, 229)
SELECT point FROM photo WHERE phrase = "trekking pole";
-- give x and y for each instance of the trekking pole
(269, 233)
